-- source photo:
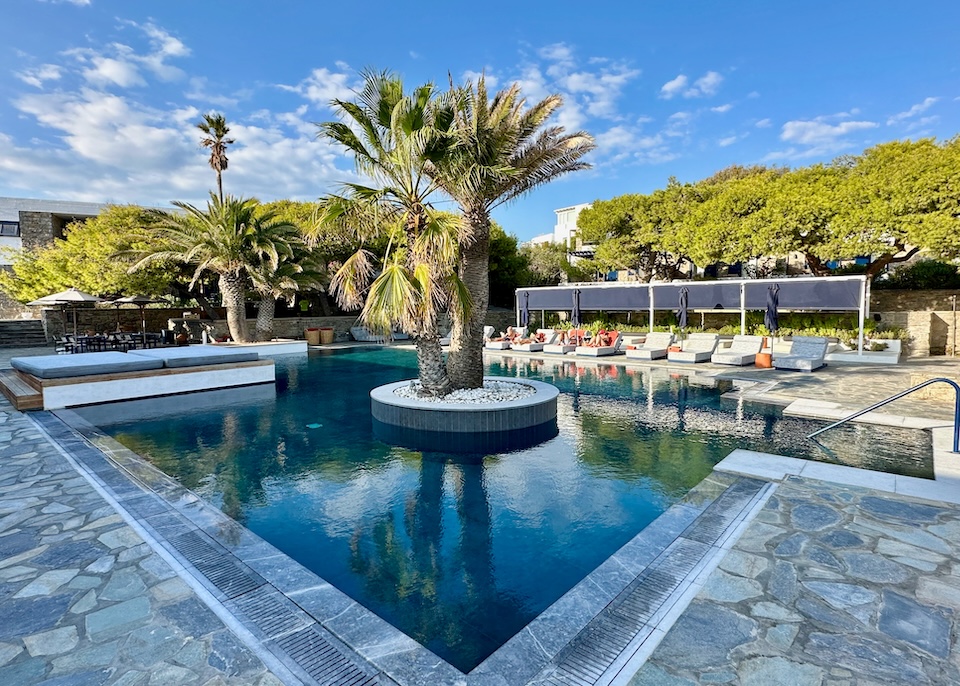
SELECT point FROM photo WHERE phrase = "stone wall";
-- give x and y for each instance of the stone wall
(912, 301)
(928, 316)
(37, 229)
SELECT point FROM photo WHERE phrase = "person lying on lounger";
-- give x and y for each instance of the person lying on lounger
(603, 339)
(508, 335)
(536, 338)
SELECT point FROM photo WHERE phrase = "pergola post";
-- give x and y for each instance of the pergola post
(743, 309)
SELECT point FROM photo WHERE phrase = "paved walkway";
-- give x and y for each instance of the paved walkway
(83, 600)
(829, 584)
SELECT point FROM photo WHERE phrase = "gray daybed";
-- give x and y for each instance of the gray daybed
(83, 364)
(195, 355)
(806, 354)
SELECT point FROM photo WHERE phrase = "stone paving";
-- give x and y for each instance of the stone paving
(828, 585)
(83, 600)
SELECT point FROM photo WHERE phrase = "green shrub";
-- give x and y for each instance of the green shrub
(923, 275)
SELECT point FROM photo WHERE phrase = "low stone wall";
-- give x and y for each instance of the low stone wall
(912, 301)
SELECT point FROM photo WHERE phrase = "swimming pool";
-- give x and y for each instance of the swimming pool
(459, 553)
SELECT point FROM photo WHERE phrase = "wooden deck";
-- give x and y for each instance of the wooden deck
(21, 394)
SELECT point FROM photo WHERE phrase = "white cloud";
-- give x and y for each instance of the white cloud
(78, 3)
(819, 136)
(764, 124)
(818, 132)
(109, 71)
(673, 87)
(705, 86)
(37, 75)
(720, 109)
(324, 85)
(729, 140)
(919, 108)
(199, 89)
(471, 76)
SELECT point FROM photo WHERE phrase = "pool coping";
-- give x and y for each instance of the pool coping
(179, 520)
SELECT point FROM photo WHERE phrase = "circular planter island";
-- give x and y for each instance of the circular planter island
(464, 426)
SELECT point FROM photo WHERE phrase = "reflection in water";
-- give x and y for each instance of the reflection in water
(459, 553)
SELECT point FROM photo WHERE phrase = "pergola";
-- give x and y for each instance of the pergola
(801, 293)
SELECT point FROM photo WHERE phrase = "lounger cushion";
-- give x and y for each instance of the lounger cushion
(647, 353)
(497, 345)
(82, 364)
(734, 358)
(196, 355)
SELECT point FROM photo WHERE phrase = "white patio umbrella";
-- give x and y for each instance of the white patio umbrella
(71, 298)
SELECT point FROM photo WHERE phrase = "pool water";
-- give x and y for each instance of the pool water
(461, 552)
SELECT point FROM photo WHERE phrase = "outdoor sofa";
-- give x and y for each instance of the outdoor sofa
(806, 354)
(697, 347)
(653, 347)
(742, 351)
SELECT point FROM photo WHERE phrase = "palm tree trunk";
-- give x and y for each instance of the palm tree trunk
(265, 316)
(220, 186)
(465, 361)
(232, 288)
(433, 375)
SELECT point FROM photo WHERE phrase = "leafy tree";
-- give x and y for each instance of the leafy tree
(499, 149)
(94, 256)
(547, 265)
(229, 239)
(508, 267)
(397, 134)
(215, 128)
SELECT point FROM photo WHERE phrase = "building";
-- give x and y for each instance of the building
(30, 223)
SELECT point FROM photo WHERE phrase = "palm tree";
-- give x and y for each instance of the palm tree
(229, 239)
(498, 150)
(297, 268)
(215, 127)
(393, 135)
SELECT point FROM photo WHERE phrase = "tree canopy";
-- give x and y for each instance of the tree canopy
(890, 202)
(95, 256)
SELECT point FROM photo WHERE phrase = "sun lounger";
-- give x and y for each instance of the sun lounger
(549, 336)
(568, 347)
(601, 350)
(653, 347)
(742, 351)
(806, 354)
(519, 332)
(697, 347)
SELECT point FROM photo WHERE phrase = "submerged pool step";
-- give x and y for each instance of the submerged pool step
(598, 653)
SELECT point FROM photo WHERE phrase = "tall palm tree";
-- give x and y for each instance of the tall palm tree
(498, 150)
(229, 239)
(393, 135)
(215, 127)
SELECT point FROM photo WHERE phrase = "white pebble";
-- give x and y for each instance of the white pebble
(492, 392)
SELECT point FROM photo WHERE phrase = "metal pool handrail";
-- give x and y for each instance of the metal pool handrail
(956, 410)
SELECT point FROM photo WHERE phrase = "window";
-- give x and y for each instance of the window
(9, 228)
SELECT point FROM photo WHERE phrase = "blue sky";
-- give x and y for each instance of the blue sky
(98, 98)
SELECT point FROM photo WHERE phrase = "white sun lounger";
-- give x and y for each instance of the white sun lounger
(806, 354)
(601, 351)
(697, 347)
(653, 347)
(505, 345)
(742, 351)
(549, 337)
(558, 349)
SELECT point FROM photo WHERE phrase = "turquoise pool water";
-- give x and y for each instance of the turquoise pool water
(461, 552)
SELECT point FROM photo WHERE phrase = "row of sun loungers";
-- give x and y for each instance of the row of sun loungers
(806, 352)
